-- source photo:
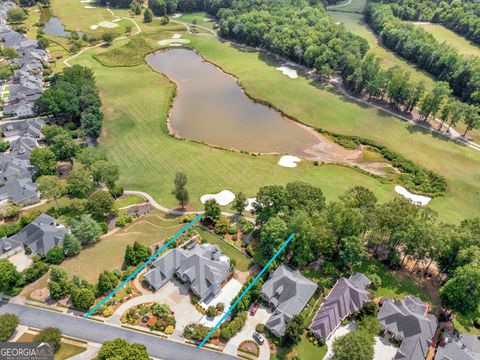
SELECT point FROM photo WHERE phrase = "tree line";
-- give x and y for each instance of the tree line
(366, 76)
(345, 231)
(419, 47)
(461, 16)
(73, 98)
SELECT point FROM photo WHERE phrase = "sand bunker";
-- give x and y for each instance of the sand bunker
(289, 161)
(94, 27)
(176, 16)
(116, 20)
(108, 24)
(249, 207)
(223, 198)
(291, 73)
(90, 7)
(176, 36)
(173, 41)
(414, 198)
(87, 1)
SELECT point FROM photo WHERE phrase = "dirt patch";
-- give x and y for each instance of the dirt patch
(40, 294)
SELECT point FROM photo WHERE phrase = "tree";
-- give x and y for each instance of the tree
(446, 113)
(8, 275)
(10, 53)
(64, 147)
(16, 15)
(92, 122)
(240, 203)
(86, 230)
(100, 203)
(8, 325)
(212, 210)
(121, 349)
(79, 182)
(50, 187)
(82, 298)
(294, 331)
(43, 161)
(211, 311)
(89, 156)
(303, 196)
(273, 234)
(107, 281)
(55, 256)
(71, 245)
(352, 251)
(108, 37)
(159, 7)
(180, 192)
(462, 291)
(58, 285)
(472, 118)
(136, 254)
(136, 7)
(43, 43)
(356, 345)
(433, 101)
(147, 16)
(50, 335)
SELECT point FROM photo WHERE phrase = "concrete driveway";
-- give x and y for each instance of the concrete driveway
(21, 260)
(175, 295)
(261, 317)
(384, 350)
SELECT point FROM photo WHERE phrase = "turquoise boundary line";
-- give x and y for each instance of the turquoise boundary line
(177, 235)
(247, 289)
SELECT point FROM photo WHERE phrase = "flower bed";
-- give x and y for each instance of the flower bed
(157, 317)
(249, 347)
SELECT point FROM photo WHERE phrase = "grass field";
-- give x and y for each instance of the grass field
(136, 136)
(442, 34)
(199, 17)
(108, 253)
(306, 350)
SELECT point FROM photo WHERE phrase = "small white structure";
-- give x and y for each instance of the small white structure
(289, 161)
(291, 73)
(93, 27)
(249, 206)
(223, 198)
(421, 200)
(108, 24)
(176, 36)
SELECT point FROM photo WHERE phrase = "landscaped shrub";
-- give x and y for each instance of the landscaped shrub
(8, 324)
(211, 311)
(55, 256)
(198, 332)
(50, 335)
(221, 226)
(220, 306)
(260, 328)
(169, 330)
(108, 312)
(232, 230)
(231, 328)
(123, 220)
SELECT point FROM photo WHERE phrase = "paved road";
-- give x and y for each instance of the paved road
(97, 332)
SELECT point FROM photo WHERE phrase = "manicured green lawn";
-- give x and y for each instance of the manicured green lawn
(108, 253)
(198, 16)
(136, 102)
(464, 323)
(243, 262)
(308, 351)
(129, 200)
(442, 34)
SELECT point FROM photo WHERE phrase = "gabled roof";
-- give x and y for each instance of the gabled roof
(41, 235)
(459, 347)
(288, 291)
(203, 266)
(346, 297)
(410, 322)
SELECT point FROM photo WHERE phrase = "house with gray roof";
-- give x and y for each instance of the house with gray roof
(344, 299)
(202, 267)
(31, 127)
(16, 182)
(288, 292)
(408, 321)
(40, 236)
(457, 346)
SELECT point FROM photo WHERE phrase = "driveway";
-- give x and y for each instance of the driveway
(340, 331)
(175, 295)
(384, 350)
(21, 260)
(261, 317)
(97, 332)
(225, 296)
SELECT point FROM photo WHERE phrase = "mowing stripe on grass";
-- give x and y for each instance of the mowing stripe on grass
(177, 235)
(247, 289)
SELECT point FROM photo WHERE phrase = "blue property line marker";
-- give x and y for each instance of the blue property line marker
(247, 289)
(177, 235)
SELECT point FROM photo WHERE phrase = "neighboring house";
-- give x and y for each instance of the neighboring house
(16, 181)
(9, 247)
(408, 321)
(459, 347)
(202, 267)
(21, 109)
(346, 297)
(27, 127)
(22, 147)
(288, 292)
(41, 235)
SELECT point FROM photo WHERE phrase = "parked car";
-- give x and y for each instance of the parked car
(258, 338)
(254, 308)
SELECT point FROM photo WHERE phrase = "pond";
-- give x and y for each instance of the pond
(212, 108)
(53, 25)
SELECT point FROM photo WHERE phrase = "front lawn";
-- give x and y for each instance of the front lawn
(128, 200)
(66, 351)
(307, 351)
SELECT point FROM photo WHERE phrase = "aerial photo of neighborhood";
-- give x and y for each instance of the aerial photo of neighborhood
(240, 179)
